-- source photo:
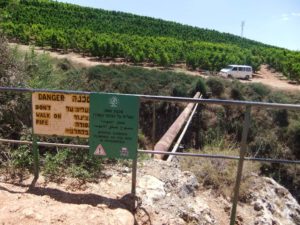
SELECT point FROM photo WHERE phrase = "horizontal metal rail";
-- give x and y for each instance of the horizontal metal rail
(47, 144)
(169, 99)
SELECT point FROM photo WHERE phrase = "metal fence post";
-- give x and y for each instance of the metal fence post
(35, 156)
(243, 149)
(133, 182)
(153, 123)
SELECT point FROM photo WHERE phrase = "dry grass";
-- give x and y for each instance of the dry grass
(220, 174)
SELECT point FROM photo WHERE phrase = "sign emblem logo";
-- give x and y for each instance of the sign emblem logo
(124, 152)
(114, 102)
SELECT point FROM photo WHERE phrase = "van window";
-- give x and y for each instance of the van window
(241, 68)
(234, 69)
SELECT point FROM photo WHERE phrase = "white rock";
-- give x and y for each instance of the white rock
(151, 188)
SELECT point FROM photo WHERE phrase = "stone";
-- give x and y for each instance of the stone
(257, 206)
(189, 185)
(151, 189)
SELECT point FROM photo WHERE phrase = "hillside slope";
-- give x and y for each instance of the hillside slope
(264, 75)
(135, 38)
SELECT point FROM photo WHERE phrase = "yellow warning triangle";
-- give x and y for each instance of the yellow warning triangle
(100, 150)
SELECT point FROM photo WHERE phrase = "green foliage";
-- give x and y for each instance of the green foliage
(294, 138)
(22, 158)
(55, 164)
(142, 140)
(72, 163)
(41, 71)
(124, 79)
(217, 174)
(179, 91)
(257, 91)
(266, 145)
(281, 118)
(216, 86)
(109, 34)
(236, 94)
(200, 86)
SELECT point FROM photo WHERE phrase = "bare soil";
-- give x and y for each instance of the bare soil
(265, 75)
(274, 79)
(41, 202)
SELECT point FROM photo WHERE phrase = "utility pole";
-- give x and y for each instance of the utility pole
(242, 36)
(242, 28)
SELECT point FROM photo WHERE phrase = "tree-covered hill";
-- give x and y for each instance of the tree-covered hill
(68, 16)
(135, 38)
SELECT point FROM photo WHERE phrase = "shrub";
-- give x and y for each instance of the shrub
(236, 90)
(280, 118)
(260, 90)
(220, 174)
(265, 145)
(16, 162)
(72, 163)
(22, 157)
(216, 86)
(236, 94)
(54, 165)
(200, 87)
(179, 91)
(142, 140)
(294, 138)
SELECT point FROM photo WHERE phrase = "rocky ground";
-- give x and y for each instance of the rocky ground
(165, 195)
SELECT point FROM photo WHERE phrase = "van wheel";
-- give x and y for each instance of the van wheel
(247, 77)
(229, 76)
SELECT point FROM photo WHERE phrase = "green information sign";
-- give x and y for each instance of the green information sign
(113, 125)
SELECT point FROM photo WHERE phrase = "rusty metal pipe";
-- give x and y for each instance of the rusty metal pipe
(167, 139)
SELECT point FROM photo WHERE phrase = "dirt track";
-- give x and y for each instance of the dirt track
(264, 76)
(273, 79)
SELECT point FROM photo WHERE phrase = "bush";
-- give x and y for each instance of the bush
(22, 157)
(266, 146)
(294, 138)
(261, 91)
(72, 163)
(16, 162)
(200, 87)
(236, 94)
(280, 118)
(179, 91)
(220, 174)
(216, 86)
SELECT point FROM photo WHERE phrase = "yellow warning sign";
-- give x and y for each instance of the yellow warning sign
(60, 114)
(100, 150)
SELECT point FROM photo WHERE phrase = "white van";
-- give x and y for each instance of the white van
(237, 71)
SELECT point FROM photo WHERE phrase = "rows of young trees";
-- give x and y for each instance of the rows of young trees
(67, 16)
(162, 51)
(135, 38)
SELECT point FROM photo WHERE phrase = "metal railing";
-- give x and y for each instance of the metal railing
(241, 158)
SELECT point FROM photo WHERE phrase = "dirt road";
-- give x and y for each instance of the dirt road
(264, 76)
(273, 79)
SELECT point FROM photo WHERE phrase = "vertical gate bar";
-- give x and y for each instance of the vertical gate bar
(35, 150)
(153, 123)
(35, 147)
(243, 149)
(133, 182)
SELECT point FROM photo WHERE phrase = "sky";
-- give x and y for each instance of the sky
(275, 22)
